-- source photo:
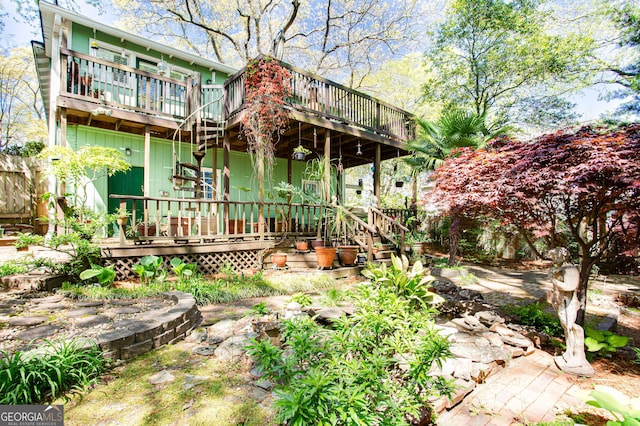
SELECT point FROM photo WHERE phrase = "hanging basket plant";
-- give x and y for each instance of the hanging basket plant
(267, 86)
(300, 153)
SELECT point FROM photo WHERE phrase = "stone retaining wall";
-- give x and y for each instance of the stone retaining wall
(159, 329)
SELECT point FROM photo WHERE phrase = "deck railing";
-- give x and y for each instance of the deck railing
(388, 227)
(89, 78)
(317, 95)
(209, 220)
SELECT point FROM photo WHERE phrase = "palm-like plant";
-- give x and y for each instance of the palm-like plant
(454, 129)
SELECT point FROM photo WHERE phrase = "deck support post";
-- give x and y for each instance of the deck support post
(376, 174)
(327, 167)
(147, 160)
(226, 180)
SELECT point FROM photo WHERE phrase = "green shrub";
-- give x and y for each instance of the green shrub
(352, 374)
(150, 269)
(412, 284)
(602, 342)
(11, 268)
(65, 366)
(534, 314)
(182, 270)
(104, 275)
(302, 298)
(625, 410)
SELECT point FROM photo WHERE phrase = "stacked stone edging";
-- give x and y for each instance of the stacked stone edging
(156, 330)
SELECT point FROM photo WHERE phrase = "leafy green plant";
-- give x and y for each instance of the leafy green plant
(352, 374)
(150, 269)
(302, 298)
(625, 410)
(65, 366)
(602, 342)
(11, 268)
(28, 239)
(104, 275)
(637, 351)
(260, 309)
(413, 284)
(535, 315)
(181, 269)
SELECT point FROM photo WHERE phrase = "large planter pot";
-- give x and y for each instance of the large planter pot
(279, 260)
(348, 255)
(317, 243)
(302, 245)
(325, 257)
(419, 248)
(150, 232)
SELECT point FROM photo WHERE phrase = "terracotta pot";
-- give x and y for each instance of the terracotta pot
(279, 259)
(151, 230)
(348, 255)
(302, 245)
(325, 256)
(317, 243)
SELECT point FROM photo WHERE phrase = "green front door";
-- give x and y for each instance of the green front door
(130, 183)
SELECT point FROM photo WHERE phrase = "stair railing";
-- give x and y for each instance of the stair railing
(388, 227)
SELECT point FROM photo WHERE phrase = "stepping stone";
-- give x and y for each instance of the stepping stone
(80, 312)
(192, 381)
(27, 321)
(121, 302)
(203, 350)
(92, 320)
(162, 377)
(49, 307)
(88, 304)
(38, 332)
(48, 299)
(124, 310)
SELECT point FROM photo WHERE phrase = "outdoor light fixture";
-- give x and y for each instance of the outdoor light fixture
(162, 67)
(102, 111)
(359, 151)
(127, 152)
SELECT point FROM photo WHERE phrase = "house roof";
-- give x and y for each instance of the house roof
(48, 12)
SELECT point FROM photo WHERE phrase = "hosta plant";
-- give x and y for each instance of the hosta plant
(602, 342)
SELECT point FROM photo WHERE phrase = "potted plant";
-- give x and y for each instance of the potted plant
(146, 229)
(302, 245)
(28, 239)
(300, 152)
(279, 260)
(122, 215)
(325, 257)
(342, 227)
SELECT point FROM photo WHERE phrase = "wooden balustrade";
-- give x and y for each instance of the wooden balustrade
(331, 100)
(388, 227)
(191, 219)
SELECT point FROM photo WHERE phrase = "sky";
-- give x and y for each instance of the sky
(589, 106)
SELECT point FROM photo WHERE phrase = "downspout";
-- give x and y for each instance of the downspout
(54, 91)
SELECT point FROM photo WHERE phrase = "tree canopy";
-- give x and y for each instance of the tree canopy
(582, 187)
(497, 59)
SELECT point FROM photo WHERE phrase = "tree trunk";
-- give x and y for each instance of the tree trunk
(585, 272)
(455, 229)
(260, 167)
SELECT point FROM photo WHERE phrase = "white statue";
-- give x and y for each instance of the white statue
(565, 278)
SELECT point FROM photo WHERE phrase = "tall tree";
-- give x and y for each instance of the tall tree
(496, 58)
(21, 111)
(623, 69)
(587, 182)
(347, 38)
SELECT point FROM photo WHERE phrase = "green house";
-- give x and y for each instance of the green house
(177, 118)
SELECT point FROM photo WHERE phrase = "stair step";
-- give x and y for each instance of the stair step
(189, 178)
(191, 166)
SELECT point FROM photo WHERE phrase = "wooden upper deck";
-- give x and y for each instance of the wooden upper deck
(109, 95)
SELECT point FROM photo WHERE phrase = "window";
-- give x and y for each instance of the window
(112, 54)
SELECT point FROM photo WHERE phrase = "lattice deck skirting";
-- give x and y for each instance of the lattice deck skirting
(208, 262)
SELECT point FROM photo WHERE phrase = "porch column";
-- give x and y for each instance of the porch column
(54, 91)
(376, 174)
(327, 167)
(226, 180)
(147, 160)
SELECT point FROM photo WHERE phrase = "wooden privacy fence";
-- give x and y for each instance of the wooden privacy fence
(21, 188)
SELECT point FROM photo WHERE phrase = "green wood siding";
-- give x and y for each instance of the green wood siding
(162, 167)
(80, 36)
